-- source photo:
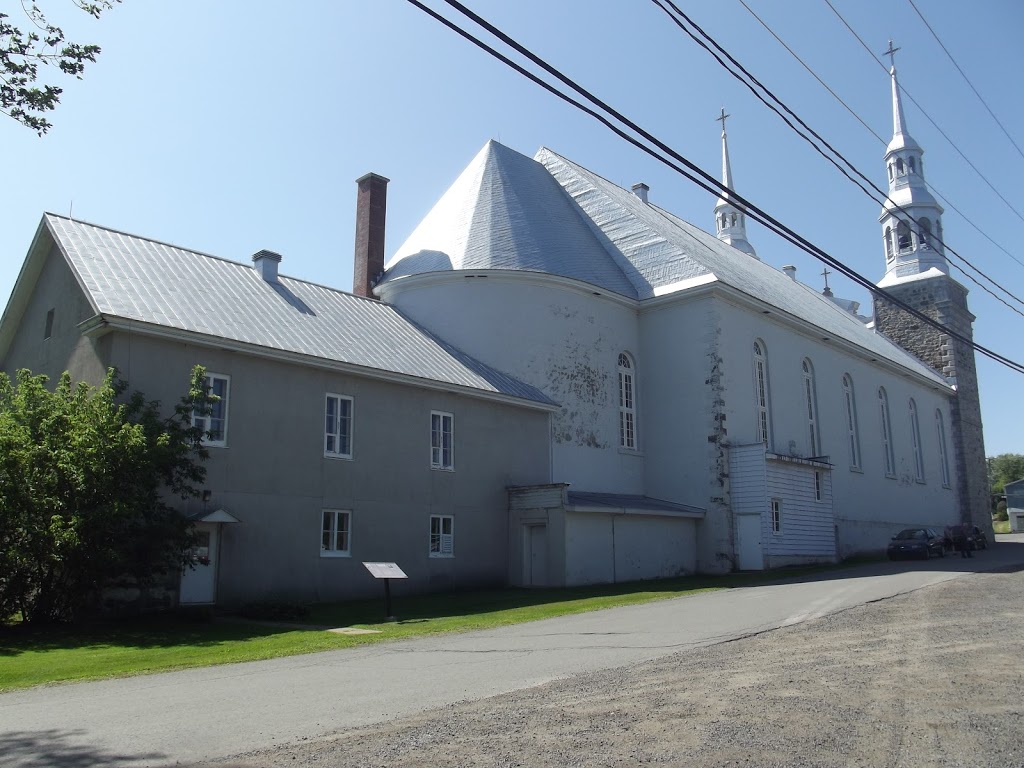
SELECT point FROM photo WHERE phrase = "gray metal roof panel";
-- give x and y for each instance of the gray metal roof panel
(505, 211)
(667, 250)
(626, 501)
(137, 279)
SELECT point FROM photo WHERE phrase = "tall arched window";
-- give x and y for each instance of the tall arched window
(853, 437)
(888, 244)
(762, 395)
(890, 171)
(887, 448)
(627, 404)
(940, 428)
(910, 164)
(915, 436)
(811, 404)
(903, 241)
(925, 235)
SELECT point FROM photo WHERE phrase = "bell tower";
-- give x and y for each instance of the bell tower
(917, 273)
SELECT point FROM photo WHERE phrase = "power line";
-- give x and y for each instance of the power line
(923, 112)
(964, 75)
(883, 142)
(682, 165)
(878, 197)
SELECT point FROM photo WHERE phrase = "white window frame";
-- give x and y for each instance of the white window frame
(915, 436)
(853, 433)
(336, 533)
(762, 394)
(940, 428)
(442, 544)
(811, 399)
(222, 405)
(337, 427)
(818, 482)
(627, 403)
(775, 507)
(887, 447)
(442, 451)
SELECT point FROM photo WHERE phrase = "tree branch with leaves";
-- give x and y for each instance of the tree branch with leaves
(40, 44)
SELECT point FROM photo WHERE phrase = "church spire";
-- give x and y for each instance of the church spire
(730, 220)
(911, 218)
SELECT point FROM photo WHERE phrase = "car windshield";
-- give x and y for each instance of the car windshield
(915, 533)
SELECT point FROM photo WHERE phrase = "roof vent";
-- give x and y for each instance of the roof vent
(265, 262)
(790, 271)
(641, 190)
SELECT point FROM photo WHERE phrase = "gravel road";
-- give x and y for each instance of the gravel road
(930, 678)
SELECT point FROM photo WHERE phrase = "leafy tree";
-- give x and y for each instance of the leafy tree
(84, 480)
(1003, 469)
(21, 54)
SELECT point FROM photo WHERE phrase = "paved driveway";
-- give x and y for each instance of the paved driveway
(216, 712)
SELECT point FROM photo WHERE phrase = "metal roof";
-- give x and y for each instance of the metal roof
(133, 278)
(629, 503)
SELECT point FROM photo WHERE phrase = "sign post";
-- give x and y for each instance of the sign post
(386, 572)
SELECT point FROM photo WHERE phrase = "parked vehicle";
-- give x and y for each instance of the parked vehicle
(916, 542)
(976, 538)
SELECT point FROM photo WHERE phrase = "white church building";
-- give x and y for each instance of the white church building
(553, 381)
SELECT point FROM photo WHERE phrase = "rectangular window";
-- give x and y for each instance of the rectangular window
(338, 427)
(776, 515)
(336, 536)
(48, 331)
(215, 424)
(817, 486)
(442, 454)
(442, 536)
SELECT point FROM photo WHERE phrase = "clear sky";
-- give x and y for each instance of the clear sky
(233, 126)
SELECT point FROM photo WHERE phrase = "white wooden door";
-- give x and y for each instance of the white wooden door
(199, 582)
(748, 543)
(537, 555)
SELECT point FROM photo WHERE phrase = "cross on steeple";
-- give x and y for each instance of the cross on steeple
(825, 273)
(891, 53)
(722, 118)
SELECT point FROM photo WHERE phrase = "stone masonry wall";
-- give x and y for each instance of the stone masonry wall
(945, 300)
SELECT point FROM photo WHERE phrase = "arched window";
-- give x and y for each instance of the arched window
(888, 244)
(938, 234)
(899, 166)
(627, 404)
(887, 449)
(925, 235)
(915, 436)
(762, 395)
(940, 428)
(903, 241)
(850, 406)
(811, 404)
(920, 167)
(733, 219)
(890, 171)
(910, 164)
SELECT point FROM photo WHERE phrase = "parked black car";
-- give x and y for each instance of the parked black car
(916, 542)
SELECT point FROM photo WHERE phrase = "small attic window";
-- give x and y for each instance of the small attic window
(48, 331)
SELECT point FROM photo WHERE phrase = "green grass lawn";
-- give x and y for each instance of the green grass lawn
(37, 655)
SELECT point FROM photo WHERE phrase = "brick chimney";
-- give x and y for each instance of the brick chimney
(371, 211)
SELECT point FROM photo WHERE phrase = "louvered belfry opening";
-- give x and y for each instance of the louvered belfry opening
(371, 214)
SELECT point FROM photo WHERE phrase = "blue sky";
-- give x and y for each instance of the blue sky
(233, 126)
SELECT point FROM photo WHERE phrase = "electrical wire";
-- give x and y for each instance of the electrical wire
(879, 196)
(923, 112)
(682, 165)
(964, 75)
(934, 190)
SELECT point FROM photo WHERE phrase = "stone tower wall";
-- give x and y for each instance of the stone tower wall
(945, 300)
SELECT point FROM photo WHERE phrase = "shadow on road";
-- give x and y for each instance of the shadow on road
(56, 748)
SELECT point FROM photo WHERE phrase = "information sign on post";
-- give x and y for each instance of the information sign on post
(386, 572)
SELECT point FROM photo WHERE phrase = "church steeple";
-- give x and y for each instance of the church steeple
(911, 236)
(730, 220)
